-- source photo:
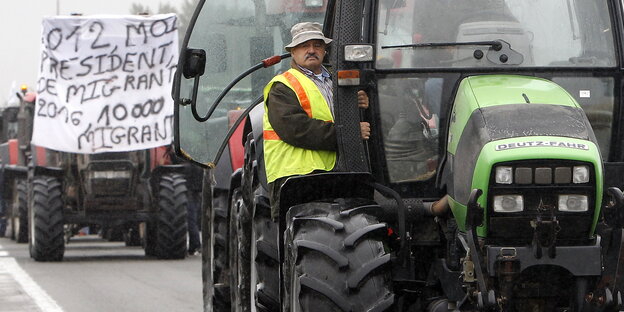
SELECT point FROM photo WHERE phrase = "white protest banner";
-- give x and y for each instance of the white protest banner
(104, 83)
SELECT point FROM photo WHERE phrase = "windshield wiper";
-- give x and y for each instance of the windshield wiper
(495, 44)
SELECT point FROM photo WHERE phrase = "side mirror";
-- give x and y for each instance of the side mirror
(195, 63)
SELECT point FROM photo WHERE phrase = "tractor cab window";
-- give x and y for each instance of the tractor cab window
(595, 95)
(410, 111)
(235, 35)
(494, 33)
(9, 123)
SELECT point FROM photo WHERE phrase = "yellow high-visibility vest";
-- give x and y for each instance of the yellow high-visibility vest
(282, 159)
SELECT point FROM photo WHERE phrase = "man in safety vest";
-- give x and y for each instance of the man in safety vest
(299, 133)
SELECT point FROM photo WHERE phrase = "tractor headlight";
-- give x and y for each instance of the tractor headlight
(358, 53)
(109, 174)
(508, 203)
(573, 203)
(580, 174)
(504, 175)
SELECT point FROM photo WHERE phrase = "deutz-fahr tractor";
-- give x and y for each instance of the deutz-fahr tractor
(491, 181)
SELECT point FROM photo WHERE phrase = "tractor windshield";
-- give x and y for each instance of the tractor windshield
(424, 47)
(494, 33)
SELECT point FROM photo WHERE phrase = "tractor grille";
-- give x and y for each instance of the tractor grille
(545, 190)
(109, 178)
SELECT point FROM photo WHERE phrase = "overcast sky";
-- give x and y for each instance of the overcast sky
(20, 32)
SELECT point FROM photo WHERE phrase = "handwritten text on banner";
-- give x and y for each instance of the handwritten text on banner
(105, 83)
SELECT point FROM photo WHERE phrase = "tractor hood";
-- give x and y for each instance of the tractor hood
(506, 118)
(496, 107)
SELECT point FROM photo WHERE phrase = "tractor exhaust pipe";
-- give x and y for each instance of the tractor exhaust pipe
(416, 208)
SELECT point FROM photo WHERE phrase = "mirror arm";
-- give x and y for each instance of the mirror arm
(194, 101)
(263, 64)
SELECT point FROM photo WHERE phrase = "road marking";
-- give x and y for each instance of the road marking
(41, 298)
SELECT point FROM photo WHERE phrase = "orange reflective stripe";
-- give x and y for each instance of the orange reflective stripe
(270, 135)
(303, 97)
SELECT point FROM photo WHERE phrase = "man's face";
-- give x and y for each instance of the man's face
(309, 54)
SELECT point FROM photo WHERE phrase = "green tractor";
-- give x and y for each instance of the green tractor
(491, 181)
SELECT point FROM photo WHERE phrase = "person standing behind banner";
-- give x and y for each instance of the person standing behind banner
(298, 123)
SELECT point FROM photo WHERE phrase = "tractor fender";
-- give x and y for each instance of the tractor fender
(56, 172)
(254, 125)
(11, 172)
(330, 185)
(327, 185)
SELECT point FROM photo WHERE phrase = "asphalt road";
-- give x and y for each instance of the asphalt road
(97, 275)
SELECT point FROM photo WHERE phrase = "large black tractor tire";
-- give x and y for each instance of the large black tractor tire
(171, 224)
(254, 254)
(239, 253)
(46, 220)
(254, 258)
(265, 272)
(20, 221)
(215, 270)
(335, 259)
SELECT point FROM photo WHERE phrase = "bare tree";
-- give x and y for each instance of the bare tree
(187, 7)
(166, 8)
(184, 16)
(185, 13)
(137, 8)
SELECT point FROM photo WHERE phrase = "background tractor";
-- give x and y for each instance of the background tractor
(15, 151)
(132, 192)
(140, 195)
(491, 180)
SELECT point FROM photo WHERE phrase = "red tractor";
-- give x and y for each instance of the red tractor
(139, 197)
(15, 150)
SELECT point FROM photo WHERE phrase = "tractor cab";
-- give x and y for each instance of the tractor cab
(494, 163)
(422, 50)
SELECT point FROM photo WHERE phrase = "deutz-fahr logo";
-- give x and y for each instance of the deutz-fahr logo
(506, 146)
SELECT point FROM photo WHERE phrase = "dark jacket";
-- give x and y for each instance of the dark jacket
(293, 125)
